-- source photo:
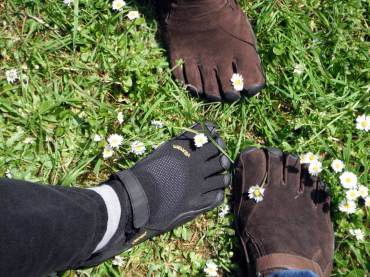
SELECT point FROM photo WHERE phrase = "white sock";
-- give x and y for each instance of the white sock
(113, 206)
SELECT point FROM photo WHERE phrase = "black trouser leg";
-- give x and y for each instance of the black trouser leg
(47, 228)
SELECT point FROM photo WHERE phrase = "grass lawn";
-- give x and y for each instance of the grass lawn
(80, 65)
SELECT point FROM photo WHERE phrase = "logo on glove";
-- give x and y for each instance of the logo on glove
(182, 150)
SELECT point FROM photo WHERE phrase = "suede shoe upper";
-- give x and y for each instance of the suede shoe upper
(214, 39)
(291, 227)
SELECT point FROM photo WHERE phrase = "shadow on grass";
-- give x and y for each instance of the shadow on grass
(147, 9)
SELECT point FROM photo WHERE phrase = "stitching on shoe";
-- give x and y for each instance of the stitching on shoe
(184, 73)
(219, 84)
(201, 78)
(256, 243)
(268, 166)
(238, 38)
(285, 170)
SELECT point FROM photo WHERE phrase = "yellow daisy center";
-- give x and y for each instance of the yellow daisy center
(118, 5)
(238, 82)
(257, 193)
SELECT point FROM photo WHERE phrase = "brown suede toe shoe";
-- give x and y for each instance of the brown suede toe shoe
(283, 217)
(214, 40)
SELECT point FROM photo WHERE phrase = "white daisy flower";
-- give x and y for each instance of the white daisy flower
(133, 15)
(363, 191)
(108, 152)
(211, 269)
(118, 261)
(315, 168)
(117, 5)
(67, 2)
(352, 194)
(138, 148)
(367, 201)
(97, 138)
(120, 117)
(237, 81)
(200, 140)
(363, 123)
(348, 180)
(115, 140)
(157, 124)
(256, 193)
(357, 233)
(11, 75)
(348, 207)
(224, 210)
(298, 69)
(308, 158)
(28, 140)
(337, 166)
(8, 174)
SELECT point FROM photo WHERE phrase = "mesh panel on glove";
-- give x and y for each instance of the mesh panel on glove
(174, 176)
(164, 183)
